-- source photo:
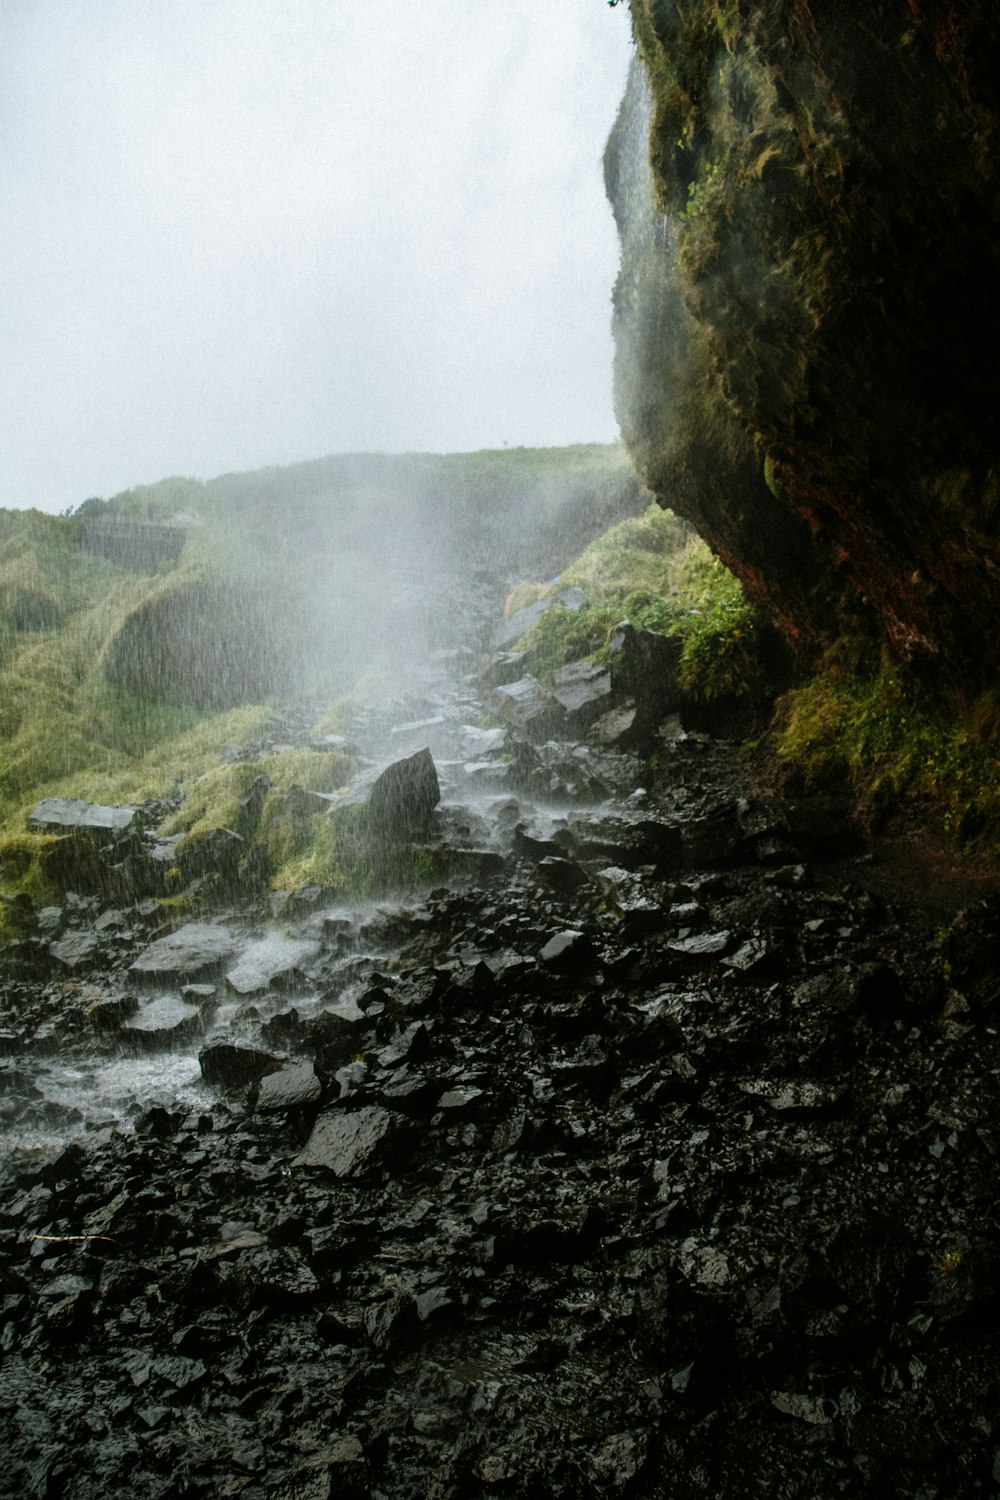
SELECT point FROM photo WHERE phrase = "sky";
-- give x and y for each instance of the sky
(246, 232)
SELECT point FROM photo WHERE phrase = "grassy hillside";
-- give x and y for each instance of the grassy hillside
(124, 686)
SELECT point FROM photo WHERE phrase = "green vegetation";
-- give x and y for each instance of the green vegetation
(655, 573)
(126, 686)
(894, 742)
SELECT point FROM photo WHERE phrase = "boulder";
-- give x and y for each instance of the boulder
(644, 667)
(163, 1022)
(57, 814)
(231, 1064)
(269, 963)
(514, 626)
(288, 1088)
(528, 707)
(584, 690)
(399, 797)
(75, 950)
(194, 952)
(349, 1144)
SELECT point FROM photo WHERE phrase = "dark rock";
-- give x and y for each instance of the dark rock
(528, 707)
(289, 1088)
(337, 1471)
(561, 875)
(630, 840)
(109, 1011)
(644, 668)
(75, 950)
(503, 667)
(232, 1066)
(350, 1144)
(399, 797)
(460, 1100)
(217, 853)
(702, 944)
(569, 952)
(584, 690)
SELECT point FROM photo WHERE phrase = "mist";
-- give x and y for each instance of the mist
(237, 236)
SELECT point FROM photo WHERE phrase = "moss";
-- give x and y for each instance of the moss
(35, 868)
(211, 801)
(894, 743)
(721, 632)
(654, 573)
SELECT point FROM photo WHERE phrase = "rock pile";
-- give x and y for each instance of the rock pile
(663, 1166)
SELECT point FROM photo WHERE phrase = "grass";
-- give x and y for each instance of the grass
(653, 572)
(285, 587)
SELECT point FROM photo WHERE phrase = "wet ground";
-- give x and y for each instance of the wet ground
(651, 1153)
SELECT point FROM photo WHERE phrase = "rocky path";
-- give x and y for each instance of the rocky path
(649, 1154)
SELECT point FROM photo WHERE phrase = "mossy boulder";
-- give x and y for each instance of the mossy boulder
(809, 197)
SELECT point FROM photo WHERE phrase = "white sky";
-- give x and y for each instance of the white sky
(241, 232)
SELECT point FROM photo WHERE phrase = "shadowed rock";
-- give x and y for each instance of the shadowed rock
(400, 796)
(349, 1144)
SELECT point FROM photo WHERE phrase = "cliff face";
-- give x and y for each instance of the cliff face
(808, 309)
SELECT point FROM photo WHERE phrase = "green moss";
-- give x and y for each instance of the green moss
(212, 801)
(34, 870)
(654, 573)
(892, 741)
(720, 630)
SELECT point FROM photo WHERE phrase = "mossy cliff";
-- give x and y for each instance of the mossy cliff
(807, 311)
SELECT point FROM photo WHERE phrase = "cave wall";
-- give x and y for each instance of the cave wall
(807, 311)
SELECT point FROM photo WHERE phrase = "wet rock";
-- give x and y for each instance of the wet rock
(701, 944)
(627, 840)
(620, 726)
(163, 1022)
(712, 840)
(503, 667)
(617, 1462)
(194, 952)
(350, 1144)
(199, 994)
(56, 814)
(76, 950)
(561, 875)
(793, 1096)
(337, 1471)
(644, 668)
(231, 1065)
(289, 1088)
(217, 854)
(399, 797)
(569, 952)
(337, 1034)
(528, 707)
(584, 690)
(109, 1012)
(460, 1100)
(269, 963)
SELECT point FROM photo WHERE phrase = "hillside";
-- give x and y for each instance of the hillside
(278, 592)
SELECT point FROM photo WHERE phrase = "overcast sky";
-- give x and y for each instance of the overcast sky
(241, 232)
